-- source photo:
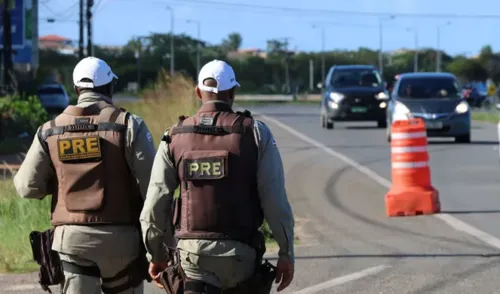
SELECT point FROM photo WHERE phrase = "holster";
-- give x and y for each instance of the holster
(264, 275)
(173, 276)
(51, 272)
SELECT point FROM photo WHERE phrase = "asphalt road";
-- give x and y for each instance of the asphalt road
(348, 245)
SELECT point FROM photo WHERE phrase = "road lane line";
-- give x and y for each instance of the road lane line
(446, 218)
(343, 279)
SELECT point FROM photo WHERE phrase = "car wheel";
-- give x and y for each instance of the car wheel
(329, 124)
(463, 139)
(382, 124)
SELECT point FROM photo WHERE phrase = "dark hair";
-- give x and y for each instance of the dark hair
(106, 90)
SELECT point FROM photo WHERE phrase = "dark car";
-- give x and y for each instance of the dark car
(53, 97)
(437, 99)
(353, 93)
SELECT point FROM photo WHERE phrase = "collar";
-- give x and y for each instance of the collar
(90, 97)
(215, 105)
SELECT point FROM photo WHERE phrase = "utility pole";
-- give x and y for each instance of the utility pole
(415, 57)
(80, 27)
(438, 50)
(287, 70)
(311, 75)
(380, 53)
(381, 41)
(90, 51)
(415, 64)
(172, 53)
(323, 62)
(7, 43)
(198, 46)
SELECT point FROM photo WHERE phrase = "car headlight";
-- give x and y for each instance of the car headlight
(462, 107)
(333, 105)
(336, 97)
(400, 112)
(382, 96)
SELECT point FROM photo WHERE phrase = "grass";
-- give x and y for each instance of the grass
(18, 217)
(160, 107)
(492, 117)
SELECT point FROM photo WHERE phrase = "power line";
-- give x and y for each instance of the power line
(62, 13)
(324, 11)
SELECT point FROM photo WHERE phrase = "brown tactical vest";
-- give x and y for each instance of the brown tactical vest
(95, 185)
(216, 157)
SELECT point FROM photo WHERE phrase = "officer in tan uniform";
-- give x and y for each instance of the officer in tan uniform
(95, 160)
(231, 177)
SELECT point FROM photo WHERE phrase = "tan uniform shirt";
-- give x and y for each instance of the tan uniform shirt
(156, 216)
(35, 172)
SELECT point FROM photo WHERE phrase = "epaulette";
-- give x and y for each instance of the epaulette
(246, 113)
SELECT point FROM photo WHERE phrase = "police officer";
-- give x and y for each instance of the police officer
(95, 160)
(230, 176)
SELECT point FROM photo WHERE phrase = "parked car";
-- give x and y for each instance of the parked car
(353, 93)
(437, 99)
(53, 97)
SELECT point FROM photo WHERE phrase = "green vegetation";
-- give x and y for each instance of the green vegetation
(18, 217)
(259, 71)
(492, 117)
(19, 115)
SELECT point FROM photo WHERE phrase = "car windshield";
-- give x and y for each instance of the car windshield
(50, 91)
(429, 87)
(356, 78)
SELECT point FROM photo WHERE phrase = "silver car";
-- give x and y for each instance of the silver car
(434, 97)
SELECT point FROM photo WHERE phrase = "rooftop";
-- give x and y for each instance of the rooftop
(53, 38)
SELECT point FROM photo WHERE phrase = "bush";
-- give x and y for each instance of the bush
(21, 115)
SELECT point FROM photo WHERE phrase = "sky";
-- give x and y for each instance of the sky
(117, 21)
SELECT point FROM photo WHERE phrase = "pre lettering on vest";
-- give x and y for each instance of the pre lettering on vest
(216, 158)
(87, 151)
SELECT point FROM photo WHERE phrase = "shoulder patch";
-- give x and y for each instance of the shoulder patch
(273, 141)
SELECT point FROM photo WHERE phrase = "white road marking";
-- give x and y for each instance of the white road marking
(22, 287)
(446, 218)
(343, 279)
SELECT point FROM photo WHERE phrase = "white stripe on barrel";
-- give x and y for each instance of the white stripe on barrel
(415, 164)
(408, 149)
(396, 136)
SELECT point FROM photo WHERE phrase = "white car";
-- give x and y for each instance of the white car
(53, 97)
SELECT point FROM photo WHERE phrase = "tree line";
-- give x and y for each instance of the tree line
(275, 70)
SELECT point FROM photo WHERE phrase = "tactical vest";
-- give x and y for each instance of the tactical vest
(94, 183)
(215, 153)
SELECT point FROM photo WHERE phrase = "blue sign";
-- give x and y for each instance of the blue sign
(17, 22)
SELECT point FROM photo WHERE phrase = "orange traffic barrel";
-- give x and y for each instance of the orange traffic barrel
(411, 192)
